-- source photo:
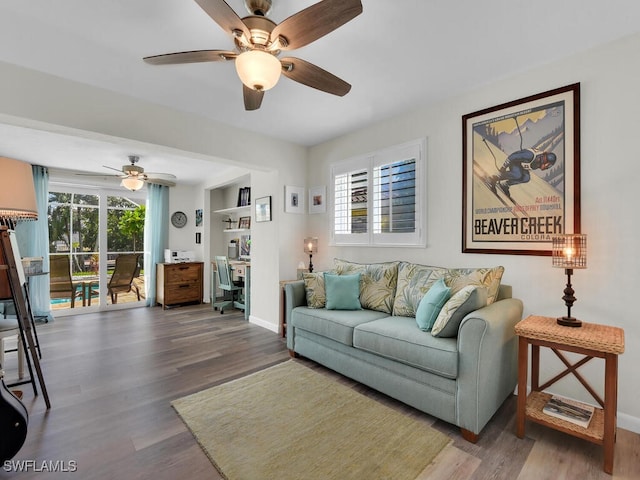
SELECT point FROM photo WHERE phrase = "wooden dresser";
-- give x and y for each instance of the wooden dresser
(178, 283)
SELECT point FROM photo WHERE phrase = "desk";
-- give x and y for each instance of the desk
(241, 271)
(592, 341)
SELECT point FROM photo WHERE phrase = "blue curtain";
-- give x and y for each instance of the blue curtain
(156, 235)
(33, 241)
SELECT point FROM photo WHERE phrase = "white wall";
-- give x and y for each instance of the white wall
(42, 101)
(610, 102)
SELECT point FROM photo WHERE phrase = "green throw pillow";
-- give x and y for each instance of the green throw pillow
(342, 291)
(431, 304)
(467, 300)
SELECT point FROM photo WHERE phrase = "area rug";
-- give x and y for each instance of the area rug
(290, 422)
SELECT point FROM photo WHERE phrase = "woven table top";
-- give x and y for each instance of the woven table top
(602, 338)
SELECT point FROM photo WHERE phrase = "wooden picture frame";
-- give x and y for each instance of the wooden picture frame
(521, 173)
(263, 209)
(244, 223)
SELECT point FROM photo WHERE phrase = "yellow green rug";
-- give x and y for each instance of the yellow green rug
(290, 422)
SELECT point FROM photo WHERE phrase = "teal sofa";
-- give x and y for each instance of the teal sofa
(462, 377)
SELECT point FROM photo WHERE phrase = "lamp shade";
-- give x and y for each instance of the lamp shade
(311, 245)
(132, 183)
(17, 195)
(258, 70)
(569, 251)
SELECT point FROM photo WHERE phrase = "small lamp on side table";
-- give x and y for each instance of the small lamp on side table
(569, 251)
(311, 247)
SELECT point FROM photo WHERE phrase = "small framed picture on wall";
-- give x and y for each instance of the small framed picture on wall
(293, 199)
(318, 199)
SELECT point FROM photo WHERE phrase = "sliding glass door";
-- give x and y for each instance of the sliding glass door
(96, 249)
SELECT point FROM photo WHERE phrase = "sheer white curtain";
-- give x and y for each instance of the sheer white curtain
(156, 235)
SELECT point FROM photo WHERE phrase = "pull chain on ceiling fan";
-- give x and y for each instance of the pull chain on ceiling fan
(259, 41)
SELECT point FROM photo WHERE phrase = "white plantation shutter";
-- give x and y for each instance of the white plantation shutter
(377, 198)
(351, 186)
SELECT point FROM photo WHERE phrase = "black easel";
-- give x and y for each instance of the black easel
(23, 313)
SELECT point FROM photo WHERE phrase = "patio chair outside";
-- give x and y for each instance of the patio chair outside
(126, 270)
(61, 285)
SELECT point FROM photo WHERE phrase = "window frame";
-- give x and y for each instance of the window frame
(413, 149)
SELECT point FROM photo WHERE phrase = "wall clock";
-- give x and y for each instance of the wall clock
(179, 219)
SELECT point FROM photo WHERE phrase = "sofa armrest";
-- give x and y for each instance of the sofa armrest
(294, 296)
(488, 366)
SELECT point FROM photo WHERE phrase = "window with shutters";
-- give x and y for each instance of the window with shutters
(377, 198)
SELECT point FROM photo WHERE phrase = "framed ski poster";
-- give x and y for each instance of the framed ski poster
(521, 173)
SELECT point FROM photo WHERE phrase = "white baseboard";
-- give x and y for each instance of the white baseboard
(264, 324)
(628, 422)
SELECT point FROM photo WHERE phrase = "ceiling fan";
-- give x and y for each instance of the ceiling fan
(133, 176)
(259, 41)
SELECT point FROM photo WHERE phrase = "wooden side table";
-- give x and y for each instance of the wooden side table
(592, 341)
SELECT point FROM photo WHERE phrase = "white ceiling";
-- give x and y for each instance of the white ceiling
(398, 55)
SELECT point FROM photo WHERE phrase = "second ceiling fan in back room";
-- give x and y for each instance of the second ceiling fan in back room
(259, 41)
(133, 177)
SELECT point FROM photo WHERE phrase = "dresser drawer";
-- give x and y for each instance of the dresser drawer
(183, 274)
(239, 270)
(181, 294)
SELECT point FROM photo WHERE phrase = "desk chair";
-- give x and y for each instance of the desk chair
(225, 283)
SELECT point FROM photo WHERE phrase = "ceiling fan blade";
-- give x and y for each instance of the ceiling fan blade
(100, 175)
(315, 21)
(194, 56)
(111, 168)
(225, 16)
(313, 76)
(252, 98)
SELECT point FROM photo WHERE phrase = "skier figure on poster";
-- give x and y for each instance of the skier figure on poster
(515, 169)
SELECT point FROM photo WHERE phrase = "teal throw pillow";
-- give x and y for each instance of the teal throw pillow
(431, 304)
(342, 292)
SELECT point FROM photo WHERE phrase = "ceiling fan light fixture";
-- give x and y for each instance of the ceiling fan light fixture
(258, 70)
(132, 183)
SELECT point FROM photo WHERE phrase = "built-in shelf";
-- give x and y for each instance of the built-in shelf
(234, 230)
(246, 208)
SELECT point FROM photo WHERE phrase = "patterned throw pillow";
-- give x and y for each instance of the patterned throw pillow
(314, 289)
(465, 301)
(413, 283)
(458, 278)
(377, 282)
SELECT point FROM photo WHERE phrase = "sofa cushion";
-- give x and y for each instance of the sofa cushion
(467, 300)
(399, 339)
(458, 278)
(431, 304)
(343, 291)
(377, 282)
(337, 325)
(413, 283)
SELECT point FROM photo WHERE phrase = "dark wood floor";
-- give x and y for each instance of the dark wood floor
(111, 378)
